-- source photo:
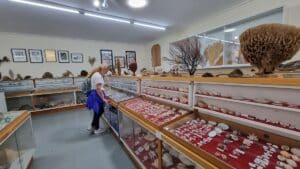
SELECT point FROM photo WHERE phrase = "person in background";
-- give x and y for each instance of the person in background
(96, 99)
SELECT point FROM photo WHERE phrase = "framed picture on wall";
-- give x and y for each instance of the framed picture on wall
(77, 57)
(130, 57)
(19, 55)
(50, 55)
(122, 61)
(35, 55)
(63, 56)
(107, 57)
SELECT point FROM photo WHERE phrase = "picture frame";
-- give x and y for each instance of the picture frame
(35, 55)
(122, 61)
(63, 56)
(19, 55)
(130, 57)
(77, 57)
(107, 57)
(50, 55)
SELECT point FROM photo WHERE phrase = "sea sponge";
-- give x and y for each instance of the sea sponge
(47, 75)
(266, 46)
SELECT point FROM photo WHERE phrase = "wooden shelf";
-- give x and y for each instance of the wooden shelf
(166, 90)
(270, 128)
(17, 94)
(250, 103)
(251, 81)
(56, 91)
(57, 109)
(13, 125)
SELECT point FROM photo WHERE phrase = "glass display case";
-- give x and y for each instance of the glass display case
(263, 106)
(173, 92)
(17, 86)
(171, 158)
(228, 145)
(130, 85)
(46, 101)
(141, 143)
(59, 83)
(17, 145)
(19, 103)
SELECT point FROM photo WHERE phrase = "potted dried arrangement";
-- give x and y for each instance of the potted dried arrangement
(186, 53)
(267, 46)
(133, 67)
(118, 65)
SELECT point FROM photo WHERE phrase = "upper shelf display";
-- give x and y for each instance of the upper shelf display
(129, 85)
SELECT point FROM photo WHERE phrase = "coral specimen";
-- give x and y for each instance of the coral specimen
(187, 53)
(11, 74)
(6, 78)
(47, 75)
(214, 53)
(67, 73)
(19, 77)
(133, 67)
(268, 45)
(83, 73)
(207, 74)
(27, 77)
(236, 73)
(4, 59)
(92, 60)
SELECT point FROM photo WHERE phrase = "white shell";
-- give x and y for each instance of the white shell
(167, 160)
(212, 134)
(218, 130)
(296, 151)
(286, 166)
(223, 126)
(295, 158)
(291, 163)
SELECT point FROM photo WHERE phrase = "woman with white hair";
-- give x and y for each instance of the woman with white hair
(96, 99)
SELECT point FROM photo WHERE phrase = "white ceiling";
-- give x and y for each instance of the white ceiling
(174, 14)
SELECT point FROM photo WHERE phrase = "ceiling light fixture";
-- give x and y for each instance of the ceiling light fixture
(137, 3)
(229, 30)
(149, 25)
(46, 6)
(108, 18)
(96, 3)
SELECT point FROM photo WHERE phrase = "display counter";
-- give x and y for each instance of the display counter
(17, 145)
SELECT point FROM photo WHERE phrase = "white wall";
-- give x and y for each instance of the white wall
(88, 48)
(221, 18)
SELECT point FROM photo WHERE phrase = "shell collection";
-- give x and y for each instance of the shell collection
(154, 112)
(255, 100)
(164, 95)
(204, 105)
(231, 145)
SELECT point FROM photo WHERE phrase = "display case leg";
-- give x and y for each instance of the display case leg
(159, 154)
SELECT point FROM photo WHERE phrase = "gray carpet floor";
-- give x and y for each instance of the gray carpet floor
(63, 143)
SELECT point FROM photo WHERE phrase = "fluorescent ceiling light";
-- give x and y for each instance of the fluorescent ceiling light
(149, 26)
(104, 4)
(229, 30)
(137, 3)
(47, 6)
(96, 3)
(108, 18)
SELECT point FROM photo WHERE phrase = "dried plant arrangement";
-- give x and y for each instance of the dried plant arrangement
(83, 73)
(187, 53)
(67, 73)
(47, 75)
(267, 46)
